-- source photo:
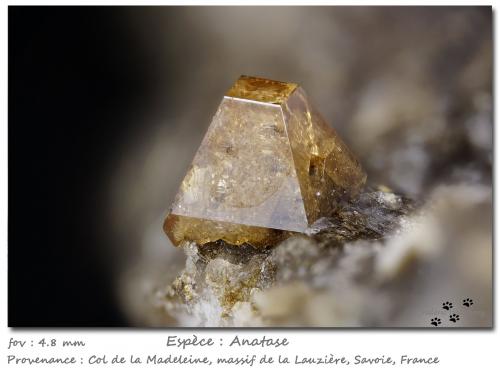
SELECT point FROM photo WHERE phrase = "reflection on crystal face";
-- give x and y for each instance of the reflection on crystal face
(268, 161)
(243, 172)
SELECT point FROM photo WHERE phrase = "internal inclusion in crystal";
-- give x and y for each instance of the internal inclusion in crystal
(267, 167)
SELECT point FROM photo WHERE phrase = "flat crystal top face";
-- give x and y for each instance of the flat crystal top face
(243, 171)
(261, 90)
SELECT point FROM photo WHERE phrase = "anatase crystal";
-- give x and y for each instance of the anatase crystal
(269, 166)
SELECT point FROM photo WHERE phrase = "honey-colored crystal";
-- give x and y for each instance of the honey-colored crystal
(268, 166)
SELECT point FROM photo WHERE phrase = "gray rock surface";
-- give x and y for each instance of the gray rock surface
(361, 267)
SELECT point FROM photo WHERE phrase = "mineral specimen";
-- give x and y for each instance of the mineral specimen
(299, 281)
(268, 166)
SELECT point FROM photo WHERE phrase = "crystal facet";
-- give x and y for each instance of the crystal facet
(268, 166)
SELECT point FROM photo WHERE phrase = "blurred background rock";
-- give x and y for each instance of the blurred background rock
(408, 88)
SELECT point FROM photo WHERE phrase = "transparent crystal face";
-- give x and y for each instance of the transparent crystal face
(269, 164)
(326, 168)
(243, 171)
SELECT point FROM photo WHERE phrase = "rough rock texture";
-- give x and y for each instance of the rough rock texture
(415, 105)
(358, 268)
